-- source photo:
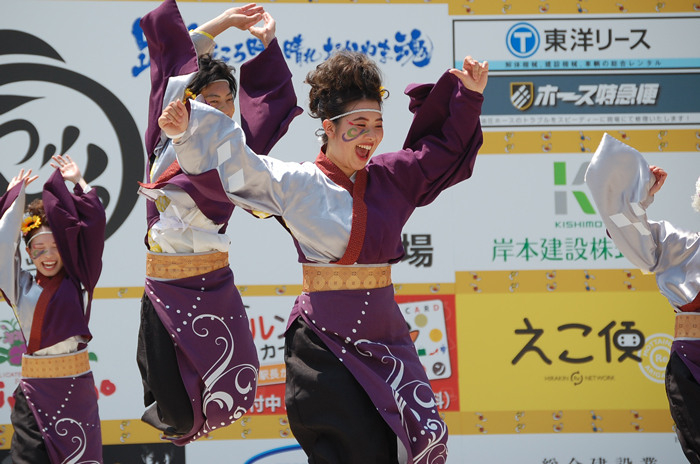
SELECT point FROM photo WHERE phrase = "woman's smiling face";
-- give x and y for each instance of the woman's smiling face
(354, 138)
(44, 253)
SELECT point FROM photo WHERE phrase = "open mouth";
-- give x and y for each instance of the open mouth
(49, 265)
(362, 151)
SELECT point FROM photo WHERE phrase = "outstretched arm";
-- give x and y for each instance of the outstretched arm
(444, 138)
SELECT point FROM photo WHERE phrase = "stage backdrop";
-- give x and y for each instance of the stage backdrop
(542, 342)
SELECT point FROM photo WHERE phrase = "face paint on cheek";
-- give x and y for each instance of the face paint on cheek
(352, 134)
(37, 253)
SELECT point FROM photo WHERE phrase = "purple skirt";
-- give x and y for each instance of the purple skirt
(65, 410)
(218, 361)
(366, 331)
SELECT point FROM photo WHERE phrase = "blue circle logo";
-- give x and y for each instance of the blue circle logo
(523, 40)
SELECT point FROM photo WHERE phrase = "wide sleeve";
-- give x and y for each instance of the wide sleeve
(172, 53)
(77, 221)
(267, 99)
(11, 215)
(257, 183)
(619, 180)
(442, 142)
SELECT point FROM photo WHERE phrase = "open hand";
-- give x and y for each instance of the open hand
(69, 169)
(22, 177)
(474, 75)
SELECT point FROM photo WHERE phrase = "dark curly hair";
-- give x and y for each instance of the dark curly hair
(211, 70)
(36, 208)
(344, 78)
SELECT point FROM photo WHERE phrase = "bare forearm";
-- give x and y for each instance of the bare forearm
(216, 25)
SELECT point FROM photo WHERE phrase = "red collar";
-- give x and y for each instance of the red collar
(359, 208)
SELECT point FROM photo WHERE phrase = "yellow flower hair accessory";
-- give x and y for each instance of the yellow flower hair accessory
(29, 223)
(189, 95)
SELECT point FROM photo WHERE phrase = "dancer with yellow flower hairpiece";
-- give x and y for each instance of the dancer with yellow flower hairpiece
(31, 221)
(196, 354)
(64, 236)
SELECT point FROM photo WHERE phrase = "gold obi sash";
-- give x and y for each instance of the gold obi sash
(176, 266)
(687, 325)
(329, 278)
(53, 366)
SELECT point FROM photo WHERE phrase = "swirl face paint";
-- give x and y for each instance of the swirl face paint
(353, 134)
(37, 253)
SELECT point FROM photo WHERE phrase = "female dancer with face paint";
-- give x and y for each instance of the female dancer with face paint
(623, 186)
(55, 413)
(196, 354)
(356, 390)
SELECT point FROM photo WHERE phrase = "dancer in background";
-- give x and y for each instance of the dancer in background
(623, 186)
(356, 390)
(195, 352)
(55, 415)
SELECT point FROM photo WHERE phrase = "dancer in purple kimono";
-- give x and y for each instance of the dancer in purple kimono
(356, 390)
(623, 186)
(196, 354)
(55, 416)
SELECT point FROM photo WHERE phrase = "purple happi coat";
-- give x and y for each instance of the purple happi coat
(65, 409)
(204, 314)
(363, 328)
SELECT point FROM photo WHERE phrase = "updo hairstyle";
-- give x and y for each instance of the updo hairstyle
(211, 70)
(344, 78)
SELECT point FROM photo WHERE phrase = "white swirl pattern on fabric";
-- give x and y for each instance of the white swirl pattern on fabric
(82, 445)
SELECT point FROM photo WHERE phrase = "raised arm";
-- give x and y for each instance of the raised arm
(622, 185)
(267, 100)
(12, 277)
(444, 137)
(242, 17)
(77, 221)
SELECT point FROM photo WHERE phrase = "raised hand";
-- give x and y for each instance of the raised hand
(244, 16)
(22, 177)
(474, 75)
(241, 17)
(174, 119)
(660, 176)
(266, 33)
(69, 169)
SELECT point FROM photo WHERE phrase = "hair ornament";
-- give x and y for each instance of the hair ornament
(30, 222)
(189, 95)
(361, 110)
